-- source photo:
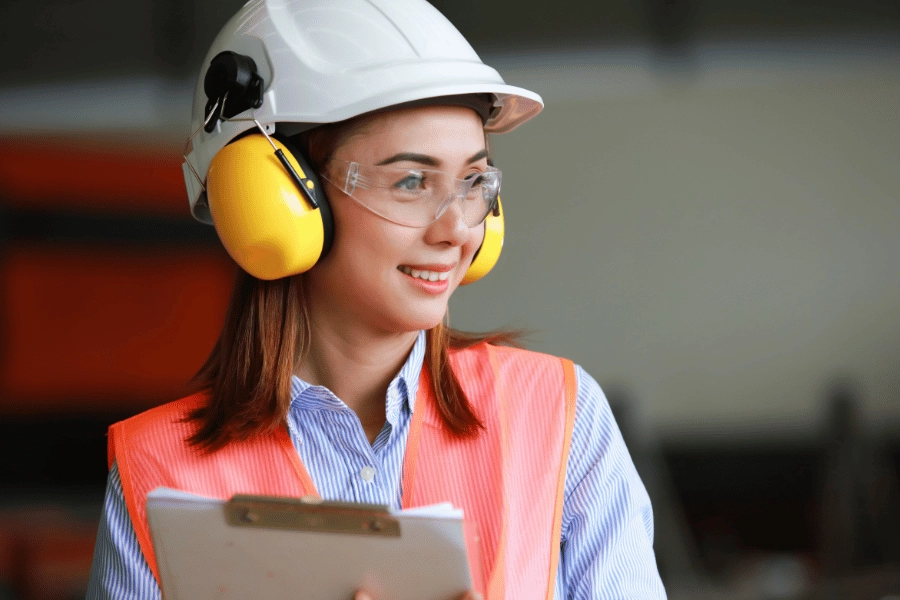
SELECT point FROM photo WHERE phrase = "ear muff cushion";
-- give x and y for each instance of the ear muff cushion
(266, 224)
(489, 252)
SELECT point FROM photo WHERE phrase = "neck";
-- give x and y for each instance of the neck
(357, 367)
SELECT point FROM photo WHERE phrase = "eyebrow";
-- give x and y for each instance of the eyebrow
(424, 159)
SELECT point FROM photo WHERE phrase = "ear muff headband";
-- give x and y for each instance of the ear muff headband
(267, 225)
(489, 252)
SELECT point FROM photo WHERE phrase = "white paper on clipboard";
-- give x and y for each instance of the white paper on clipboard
(203, 557)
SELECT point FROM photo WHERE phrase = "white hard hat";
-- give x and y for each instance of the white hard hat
(324, 61)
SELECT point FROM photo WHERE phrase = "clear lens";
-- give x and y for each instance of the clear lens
(416, 197)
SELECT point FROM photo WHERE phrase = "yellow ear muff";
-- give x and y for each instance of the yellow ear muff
(267, 225)
(489, 252)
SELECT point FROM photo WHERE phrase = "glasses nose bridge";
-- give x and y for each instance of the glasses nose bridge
(458, 189)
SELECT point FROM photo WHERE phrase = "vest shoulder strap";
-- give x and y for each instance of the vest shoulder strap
(509, 479)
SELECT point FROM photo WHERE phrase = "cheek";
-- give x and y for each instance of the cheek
(367, 243)
(476, 237)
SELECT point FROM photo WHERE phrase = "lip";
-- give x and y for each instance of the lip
(432, 288)
(436, 267)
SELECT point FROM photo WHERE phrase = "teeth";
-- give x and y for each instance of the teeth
(426, 275)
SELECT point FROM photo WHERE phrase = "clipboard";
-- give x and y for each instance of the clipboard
(267, 548)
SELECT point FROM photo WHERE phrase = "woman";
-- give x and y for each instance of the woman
(334, 373)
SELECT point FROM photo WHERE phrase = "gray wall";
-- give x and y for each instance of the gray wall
(721, 243)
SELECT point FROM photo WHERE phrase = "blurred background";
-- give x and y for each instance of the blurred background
(706, 217)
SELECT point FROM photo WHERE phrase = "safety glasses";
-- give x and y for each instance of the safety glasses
(416, 197)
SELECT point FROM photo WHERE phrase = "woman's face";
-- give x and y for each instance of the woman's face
(366, 280)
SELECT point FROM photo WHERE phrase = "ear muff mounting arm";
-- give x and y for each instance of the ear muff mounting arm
(306, 186)
(232, 86)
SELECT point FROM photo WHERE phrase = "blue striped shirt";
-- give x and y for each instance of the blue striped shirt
(607, 524)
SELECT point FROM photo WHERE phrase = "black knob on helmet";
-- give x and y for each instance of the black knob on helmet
(235, 75)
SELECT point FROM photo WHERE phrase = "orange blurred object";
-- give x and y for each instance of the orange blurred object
(48, 553)
(65, 174)
(106, 329)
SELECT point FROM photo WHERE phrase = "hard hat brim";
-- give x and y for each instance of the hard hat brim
(510, 107)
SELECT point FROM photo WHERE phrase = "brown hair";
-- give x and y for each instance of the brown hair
(266, 335)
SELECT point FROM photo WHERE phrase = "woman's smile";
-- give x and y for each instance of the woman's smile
(432, 279)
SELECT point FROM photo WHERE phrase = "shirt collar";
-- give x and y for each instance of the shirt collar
(401, 391)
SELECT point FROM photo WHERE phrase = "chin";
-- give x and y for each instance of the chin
(417, 324)
(424, 319)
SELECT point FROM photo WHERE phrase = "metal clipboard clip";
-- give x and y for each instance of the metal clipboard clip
(311, 514)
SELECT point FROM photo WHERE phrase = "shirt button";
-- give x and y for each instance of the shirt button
(367, 473)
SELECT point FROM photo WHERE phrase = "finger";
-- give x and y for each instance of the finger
(470, 595)
(363, 595)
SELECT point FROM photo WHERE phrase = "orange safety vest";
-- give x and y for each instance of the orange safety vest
(508, 480)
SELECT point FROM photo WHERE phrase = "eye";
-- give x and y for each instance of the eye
(483, 184)
(411, 183)
(477, 179)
